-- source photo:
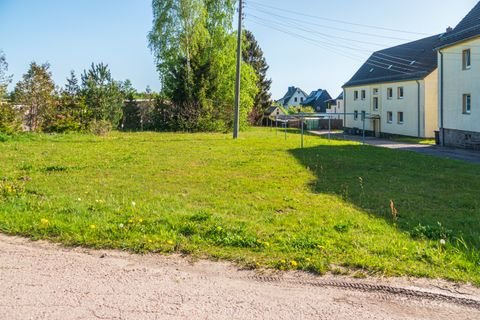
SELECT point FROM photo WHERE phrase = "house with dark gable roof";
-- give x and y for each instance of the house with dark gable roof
(294, 97)
(397, 91)
(459, 83)
(318, 100)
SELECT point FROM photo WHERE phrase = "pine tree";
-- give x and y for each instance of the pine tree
(253, 55)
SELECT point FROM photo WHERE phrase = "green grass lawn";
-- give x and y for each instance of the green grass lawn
(260, 201)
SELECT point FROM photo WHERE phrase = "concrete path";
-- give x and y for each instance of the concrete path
(432, 150)
(39, 280)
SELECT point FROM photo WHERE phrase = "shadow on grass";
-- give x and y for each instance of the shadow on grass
(435, 198)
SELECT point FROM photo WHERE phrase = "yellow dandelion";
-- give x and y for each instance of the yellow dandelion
(92, 226)
(130, 221)
(44, 221)
(294, 263)
(140, 220)
(170, 242)
(150, 241)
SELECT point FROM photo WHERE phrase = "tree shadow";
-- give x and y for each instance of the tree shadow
(435, 198)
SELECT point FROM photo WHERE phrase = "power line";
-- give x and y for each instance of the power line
(332, 47)
(337, 20)
(327, 35)
(306, 30)
(409, 65)
(403, 47)
(392, 63)
(331, 27)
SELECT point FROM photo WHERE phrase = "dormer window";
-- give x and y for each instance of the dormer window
(466, 59)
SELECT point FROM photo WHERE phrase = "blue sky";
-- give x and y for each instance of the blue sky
(71, 34)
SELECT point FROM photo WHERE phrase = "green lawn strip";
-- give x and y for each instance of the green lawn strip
(259, 201)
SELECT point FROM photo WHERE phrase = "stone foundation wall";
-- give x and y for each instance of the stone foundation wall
(461, 139)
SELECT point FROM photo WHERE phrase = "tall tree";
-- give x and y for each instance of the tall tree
(72, 113)
(253, 55)
(5, 78)
(194, 48)
(36, 93)
(103, 95)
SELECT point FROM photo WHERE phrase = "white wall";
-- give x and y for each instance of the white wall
(337, 109)
(458, 82)
(408, 105)
(299, 95)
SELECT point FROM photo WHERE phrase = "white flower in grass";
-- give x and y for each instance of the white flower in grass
(133, 204)
(120, 225)
(442, 242)
(79, 199)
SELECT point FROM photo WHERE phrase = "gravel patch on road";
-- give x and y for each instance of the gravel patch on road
(39, 280)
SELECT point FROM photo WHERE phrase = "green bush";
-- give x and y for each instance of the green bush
(10, 121)
(100, 128)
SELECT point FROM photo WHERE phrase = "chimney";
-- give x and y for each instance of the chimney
(449, 29)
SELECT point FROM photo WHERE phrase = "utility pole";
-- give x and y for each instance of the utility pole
(236, 121)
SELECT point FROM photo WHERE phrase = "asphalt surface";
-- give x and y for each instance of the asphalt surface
(431, 150)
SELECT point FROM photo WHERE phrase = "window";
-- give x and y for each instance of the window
(355, 95)
(375, 91)
(389, 93)
(301, 99)
(400, 92)
(363, 115)
(355, 115)
(389, 117)
(375, 103)
(466, 59)
(400, 117)
(467, 103)
(296, 99)
(364, 94)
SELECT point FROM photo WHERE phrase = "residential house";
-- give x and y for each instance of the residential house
(459, 83)
(336, 107)
(318, 100)
(396, 91)
(294, 97)
(273, 112)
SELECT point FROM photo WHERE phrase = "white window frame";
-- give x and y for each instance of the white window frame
(389, 93)
(467, 107)
(402, 118)
(355, 115)
(376, 107)
(389, 117)
(466, 63)
(400, 89)
(363, 94)
(355, 95)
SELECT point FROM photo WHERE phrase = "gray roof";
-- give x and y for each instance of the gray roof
(290, 92)
(318, 100)
(270, 110)
(468, 28)
(410, 61)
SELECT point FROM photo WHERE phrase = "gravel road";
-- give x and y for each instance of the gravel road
(39, 280)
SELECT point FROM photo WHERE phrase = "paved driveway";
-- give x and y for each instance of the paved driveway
(432, 150)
